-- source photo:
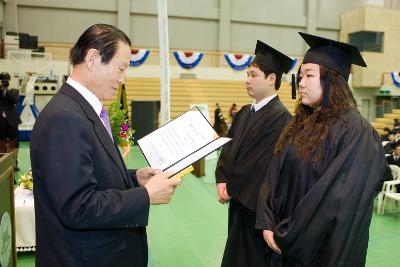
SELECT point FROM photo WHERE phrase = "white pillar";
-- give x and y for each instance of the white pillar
(224, 36)
(124, 12)
(164, 60)
(11, 16)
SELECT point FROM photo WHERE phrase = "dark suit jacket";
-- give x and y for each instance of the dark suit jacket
(391, 161)
(89, 212)
(8, 105)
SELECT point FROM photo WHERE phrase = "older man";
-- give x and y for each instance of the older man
(89, 210)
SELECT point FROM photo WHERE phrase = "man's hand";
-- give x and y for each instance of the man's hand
(223, 196)
(143, 175)
(160, 188)
(269, 238)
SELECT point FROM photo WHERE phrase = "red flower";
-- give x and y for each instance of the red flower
(122, 135)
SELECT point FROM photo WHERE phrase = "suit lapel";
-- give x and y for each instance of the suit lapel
(99, 129)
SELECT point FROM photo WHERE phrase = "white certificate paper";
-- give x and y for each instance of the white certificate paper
(180, 142)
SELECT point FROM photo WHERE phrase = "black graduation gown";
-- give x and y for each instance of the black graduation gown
(242, 165)
(320, 212)
(220, 125)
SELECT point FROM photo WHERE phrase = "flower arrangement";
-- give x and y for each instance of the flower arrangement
(120, 128)
(26, 180)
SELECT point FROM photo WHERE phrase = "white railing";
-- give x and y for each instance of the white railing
(28, 61)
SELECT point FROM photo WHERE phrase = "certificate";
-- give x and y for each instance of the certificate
(180, 142)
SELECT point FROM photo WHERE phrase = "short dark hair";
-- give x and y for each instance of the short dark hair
(268, 72)
(102, 37)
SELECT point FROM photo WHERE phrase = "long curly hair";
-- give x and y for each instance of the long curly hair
(310, 125)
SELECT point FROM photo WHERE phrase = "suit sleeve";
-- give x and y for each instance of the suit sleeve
(66, 163)
(265, 218)
(132, 175)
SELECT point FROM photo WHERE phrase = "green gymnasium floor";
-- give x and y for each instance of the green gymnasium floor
(191, 230)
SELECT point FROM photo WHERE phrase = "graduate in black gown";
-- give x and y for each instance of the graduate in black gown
(220, 125)
(316, 202)
(242, 162)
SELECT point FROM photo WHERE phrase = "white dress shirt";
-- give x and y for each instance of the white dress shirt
(88, 95)
(262, 103)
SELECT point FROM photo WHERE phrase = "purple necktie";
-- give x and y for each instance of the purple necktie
(104, 117)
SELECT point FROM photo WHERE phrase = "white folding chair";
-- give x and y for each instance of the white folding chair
(389, 189)
(395, 197)
(384, 143)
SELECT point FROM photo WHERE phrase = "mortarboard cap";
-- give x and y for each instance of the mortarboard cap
(272, 58)
(332, 54)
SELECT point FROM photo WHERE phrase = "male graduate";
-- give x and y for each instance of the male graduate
(243, 162)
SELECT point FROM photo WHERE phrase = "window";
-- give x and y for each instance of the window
(367, 41)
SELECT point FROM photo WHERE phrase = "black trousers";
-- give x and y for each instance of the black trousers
(7, 131)
(245, 245)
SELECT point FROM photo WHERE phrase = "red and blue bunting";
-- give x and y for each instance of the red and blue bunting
(238, 61)
(396, 78)
(293, 64)
(138, 56)
(188, 60)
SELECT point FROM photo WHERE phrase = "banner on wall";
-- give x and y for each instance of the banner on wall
(293, 64)
(187, 59)
(396, 78)
(138, 57)
(238, 61)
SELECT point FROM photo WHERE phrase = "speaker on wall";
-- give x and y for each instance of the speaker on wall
(33, 42)
(23, 40)
(144, 117)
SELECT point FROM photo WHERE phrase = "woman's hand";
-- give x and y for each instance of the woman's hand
(269, 238)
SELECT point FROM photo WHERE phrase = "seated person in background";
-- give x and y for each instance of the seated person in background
(232, 111)
(385, 134)
(396, 125)
(220, 125)
(396, 135)
(394, 159)
(391, 141)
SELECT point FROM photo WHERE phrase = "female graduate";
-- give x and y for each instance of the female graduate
(315, 204)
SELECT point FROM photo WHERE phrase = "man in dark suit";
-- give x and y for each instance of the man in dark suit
(89, 210)
(9, 118)
(394, 159)
(243, 162)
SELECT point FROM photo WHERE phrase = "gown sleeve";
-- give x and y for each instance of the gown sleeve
(223, 161)
(265, 209)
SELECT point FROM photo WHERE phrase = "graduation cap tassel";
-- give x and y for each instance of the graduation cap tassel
(325, 98)
(293, 86)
